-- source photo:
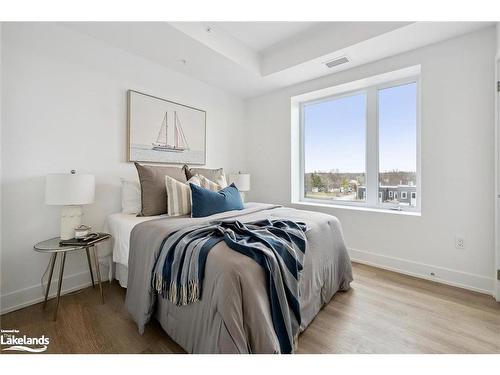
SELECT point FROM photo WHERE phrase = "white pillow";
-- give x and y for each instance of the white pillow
(131, 196)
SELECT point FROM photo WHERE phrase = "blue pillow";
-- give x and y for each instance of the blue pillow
(206, 202)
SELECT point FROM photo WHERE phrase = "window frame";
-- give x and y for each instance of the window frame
(405, 195)
(302, 147)
(372, 167)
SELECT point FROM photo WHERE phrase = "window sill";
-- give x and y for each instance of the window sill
(356, 208)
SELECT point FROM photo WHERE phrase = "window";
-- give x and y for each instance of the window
(334, 148)
(358, 141)
(397, 136)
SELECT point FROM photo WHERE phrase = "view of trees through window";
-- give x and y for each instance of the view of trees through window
(335, 147)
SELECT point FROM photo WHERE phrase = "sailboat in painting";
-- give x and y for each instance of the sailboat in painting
(179, 144)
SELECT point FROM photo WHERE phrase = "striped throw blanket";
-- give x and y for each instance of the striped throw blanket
(278, 246)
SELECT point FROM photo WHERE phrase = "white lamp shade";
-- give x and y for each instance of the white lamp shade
(241, 180)
(69, 189)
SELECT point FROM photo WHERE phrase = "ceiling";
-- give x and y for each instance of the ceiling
(252, 58)
(259, 36)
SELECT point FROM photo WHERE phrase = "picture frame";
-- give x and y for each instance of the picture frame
(164, 131)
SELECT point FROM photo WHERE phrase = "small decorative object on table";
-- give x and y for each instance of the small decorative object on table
(57, 246)
(82, 231)
(242, 182)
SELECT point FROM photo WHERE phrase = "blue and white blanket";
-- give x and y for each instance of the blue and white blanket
(278, 246)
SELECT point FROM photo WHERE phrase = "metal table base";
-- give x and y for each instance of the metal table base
(61, 273)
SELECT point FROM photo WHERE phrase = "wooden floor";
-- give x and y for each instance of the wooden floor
(384, 312)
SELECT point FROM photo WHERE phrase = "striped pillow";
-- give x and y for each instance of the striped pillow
(179, 196)
(221, 181)
(207, 184)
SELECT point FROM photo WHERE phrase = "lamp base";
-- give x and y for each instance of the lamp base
(71, 217)
(242, 194)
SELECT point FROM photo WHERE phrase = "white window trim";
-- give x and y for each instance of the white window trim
(405, 195)
(370, 86)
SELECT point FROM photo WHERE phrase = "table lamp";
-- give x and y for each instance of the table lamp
(70, 190)
(242, 182)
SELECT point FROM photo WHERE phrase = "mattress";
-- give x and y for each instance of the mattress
(115, 253)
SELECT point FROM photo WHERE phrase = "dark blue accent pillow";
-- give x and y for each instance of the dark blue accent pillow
(206, 202)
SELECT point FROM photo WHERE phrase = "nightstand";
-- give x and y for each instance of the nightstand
(53, 247)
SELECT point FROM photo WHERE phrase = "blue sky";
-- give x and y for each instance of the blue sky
(335, 132)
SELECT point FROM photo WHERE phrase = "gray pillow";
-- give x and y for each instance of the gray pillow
(212, 174)
(153, 190)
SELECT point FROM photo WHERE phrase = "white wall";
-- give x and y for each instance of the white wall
(457, 165)
(64, 107)
(1, 128)
(497, 191)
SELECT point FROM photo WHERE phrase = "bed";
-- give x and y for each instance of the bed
(114, 254)
(233, 315)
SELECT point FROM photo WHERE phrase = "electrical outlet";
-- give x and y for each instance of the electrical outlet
(459, 242)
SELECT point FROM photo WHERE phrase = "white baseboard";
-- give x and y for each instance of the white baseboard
(32, 295)
(442, 275)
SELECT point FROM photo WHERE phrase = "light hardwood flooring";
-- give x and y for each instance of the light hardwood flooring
(384, 312)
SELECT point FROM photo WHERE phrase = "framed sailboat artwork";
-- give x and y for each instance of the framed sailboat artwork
(162, 131)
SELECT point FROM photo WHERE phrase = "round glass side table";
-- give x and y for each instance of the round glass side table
(54, 248)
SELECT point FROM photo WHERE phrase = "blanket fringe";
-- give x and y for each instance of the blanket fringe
(179, 295)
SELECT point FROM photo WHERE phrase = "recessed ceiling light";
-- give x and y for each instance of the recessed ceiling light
(183, 61)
